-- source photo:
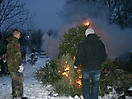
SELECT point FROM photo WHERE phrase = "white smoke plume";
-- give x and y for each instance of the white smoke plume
(116, 40)
(51, 45)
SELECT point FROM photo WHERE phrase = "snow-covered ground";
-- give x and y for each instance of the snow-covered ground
(33, 89)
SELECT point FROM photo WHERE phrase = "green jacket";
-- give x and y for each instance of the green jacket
(14, 57)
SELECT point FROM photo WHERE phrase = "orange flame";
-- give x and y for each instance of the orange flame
(67, 68)
(79, 83)
(87, 23)
(79, 76)
(65, 73)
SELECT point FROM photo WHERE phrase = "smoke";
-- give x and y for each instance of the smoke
(116, 40)
(51, 45)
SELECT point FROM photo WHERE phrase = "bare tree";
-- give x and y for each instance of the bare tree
(0, 1)
(116, 11)
(13, 15)
(120, 12)
(80, 10)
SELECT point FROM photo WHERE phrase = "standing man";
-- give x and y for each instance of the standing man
(91, 53)
(15, 67)
(2, 55)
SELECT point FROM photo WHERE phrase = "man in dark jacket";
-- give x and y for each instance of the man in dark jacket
(15, 67)
(91, 53)
(2, 55)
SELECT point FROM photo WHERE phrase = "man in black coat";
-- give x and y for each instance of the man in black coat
(2, 55)
(91, 53)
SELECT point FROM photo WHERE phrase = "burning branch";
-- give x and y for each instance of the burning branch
(68, 72)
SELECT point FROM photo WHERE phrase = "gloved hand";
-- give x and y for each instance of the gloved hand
(75, 67)
(21, 68)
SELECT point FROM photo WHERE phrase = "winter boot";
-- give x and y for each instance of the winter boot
(24, 98)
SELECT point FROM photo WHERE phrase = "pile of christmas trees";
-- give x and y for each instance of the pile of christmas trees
(67, 81)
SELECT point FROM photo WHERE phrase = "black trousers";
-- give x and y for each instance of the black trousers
(3, 67)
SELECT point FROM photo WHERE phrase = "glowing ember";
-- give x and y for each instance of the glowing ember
(71, 82)
(79, 76)
(74, 58)
(67, 68)
(66, 62)
(65, 74)
(78, 81)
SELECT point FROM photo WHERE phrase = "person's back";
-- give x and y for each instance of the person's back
(90, 54)
(94, 52)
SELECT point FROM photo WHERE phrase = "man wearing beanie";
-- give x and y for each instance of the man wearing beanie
(90, 54)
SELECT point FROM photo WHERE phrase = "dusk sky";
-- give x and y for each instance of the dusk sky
(46, 18)
(45, 12)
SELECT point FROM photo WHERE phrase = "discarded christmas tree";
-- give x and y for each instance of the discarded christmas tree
(61, 74)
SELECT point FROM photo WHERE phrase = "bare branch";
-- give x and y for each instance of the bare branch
(13, 13)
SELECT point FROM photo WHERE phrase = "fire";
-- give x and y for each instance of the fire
(65, 74)
(65, 71)
(68, 72)
(67, 68)
(87, 23)
(79, 76)
(79, 83)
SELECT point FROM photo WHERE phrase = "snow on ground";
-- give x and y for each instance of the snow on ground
(33, 89)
